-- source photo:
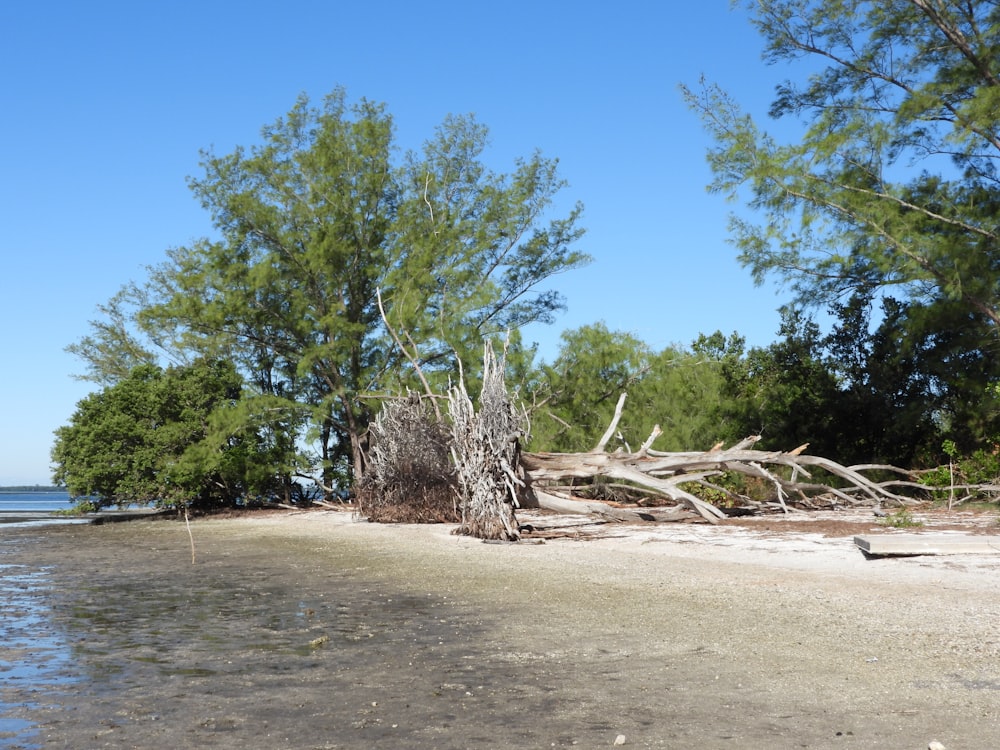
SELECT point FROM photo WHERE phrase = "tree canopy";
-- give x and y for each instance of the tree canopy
(314, 224)
(893, 181)
(677, 388)
(150, 438)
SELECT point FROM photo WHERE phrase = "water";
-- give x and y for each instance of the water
(34, 502)
(31, 508)
(35, 658)
(104, 644)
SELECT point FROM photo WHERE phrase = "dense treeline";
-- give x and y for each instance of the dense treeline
(890, 391)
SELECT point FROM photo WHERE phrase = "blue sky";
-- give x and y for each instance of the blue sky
(106, 106)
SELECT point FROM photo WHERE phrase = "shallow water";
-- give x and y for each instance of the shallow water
(26, 509)
(34, 501)
(36, 663)
(252, 643)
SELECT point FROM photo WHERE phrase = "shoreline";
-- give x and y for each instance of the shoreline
(57, 517)
(692, 635)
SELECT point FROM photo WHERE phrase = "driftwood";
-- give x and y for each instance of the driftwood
(561, 503)
(492, 477)
(485, 447)
(663, 474)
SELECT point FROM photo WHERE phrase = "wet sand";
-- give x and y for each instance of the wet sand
(315, 631)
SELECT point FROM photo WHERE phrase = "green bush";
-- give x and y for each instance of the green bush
(979, 467)
(902, 519)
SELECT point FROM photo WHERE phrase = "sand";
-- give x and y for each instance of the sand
(314, 630)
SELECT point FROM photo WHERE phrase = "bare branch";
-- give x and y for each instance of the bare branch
(599, 448)
(406, 353)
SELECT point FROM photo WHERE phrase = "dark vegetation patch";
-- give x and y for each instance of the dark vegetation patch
(410, 477)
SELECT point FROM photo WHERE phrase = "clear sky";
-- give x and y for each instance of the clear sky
(106, 105)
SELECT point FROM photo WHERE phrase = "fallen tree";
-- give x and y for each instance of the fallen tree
(664, 474)
(492, 477)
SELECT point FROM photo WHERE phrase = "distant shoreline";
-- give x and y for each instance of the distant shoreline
(24, 489)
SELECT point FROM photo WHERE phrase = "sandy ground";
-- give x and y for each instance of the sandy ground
(314, 630)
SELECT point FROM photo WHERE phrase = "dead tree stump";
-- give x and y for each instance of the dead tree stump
(409, 477)
(485, 450)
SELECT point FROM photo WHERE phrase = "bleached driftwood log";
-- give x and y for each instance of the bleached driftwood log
(663, 474)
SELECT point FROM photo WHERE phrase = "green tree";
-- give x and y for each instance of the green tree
(313, 223)
(935, 364)
(784, 391)
(893, 180)
(717, 358)
(682, 392)
(884, 409)
(153, 437)
(888, 390)
(677, 389)
(593, 367)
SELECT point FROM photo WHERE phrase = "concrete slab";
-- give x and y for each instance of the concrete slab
(899, 545)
